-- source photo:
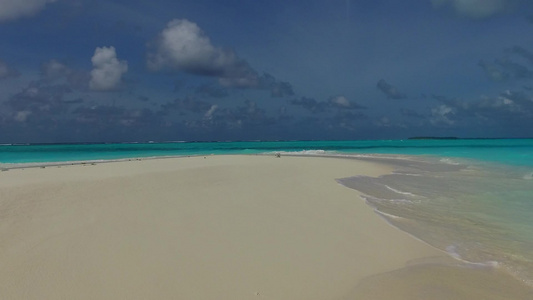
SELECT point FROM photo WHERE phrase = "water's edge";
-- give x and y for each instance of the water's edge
(462, 209)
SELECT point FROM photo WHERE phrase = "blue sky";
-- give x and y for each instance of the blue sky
(92, 71)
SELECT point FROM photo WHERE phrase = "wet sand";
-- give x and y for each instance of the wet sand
(219, 227)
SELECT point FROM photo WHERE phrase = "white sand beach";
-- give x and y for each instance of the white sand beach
(219, 227)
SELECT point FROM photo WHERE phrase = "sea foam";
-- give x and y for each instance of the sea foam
(399, 192)
(305, 152)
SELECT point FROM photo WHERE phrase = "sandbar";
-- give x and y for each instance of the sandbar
(215, 227)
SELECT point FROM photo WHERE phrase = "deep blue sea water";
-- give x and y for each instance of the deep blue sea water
(472, 198)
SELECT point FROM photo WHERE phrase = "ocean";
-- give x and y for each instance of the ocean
(472, 198)
(517, 152)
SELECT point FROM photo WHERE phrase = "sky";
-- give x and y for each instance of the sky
(207, 70)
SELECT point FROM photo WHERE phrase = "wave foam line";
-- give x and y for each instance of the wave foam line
(398, 191)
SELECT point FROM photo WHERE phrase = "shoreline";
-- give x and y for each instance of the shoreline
(289, 223)
(378, 158)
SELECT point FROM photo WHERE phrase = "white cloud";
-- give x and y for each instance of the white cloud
(476, 9)
(14, 9)
(340, 101)
(209, 114)
(108, 70)
(441, 115)
(183, 46)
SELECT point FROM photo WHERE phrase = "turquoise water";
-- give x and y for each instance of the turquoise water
(508, 151)
(470, 198)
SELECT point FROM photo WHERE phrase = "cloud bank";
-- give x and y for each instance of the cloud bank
(108, 70)
(13, 9)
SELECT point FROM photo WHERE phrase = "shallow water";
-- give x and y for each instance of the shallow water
(476, 211)
(514, 152)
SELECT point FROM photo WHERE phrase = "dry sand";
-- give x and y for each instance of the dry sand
(220, 227)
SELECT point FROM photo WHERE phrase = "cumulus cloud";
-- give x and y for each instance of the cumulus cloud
(476, 9)
(183, 46)
(14, 9)
(6, 71)
(389, 90)
(108, 70)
